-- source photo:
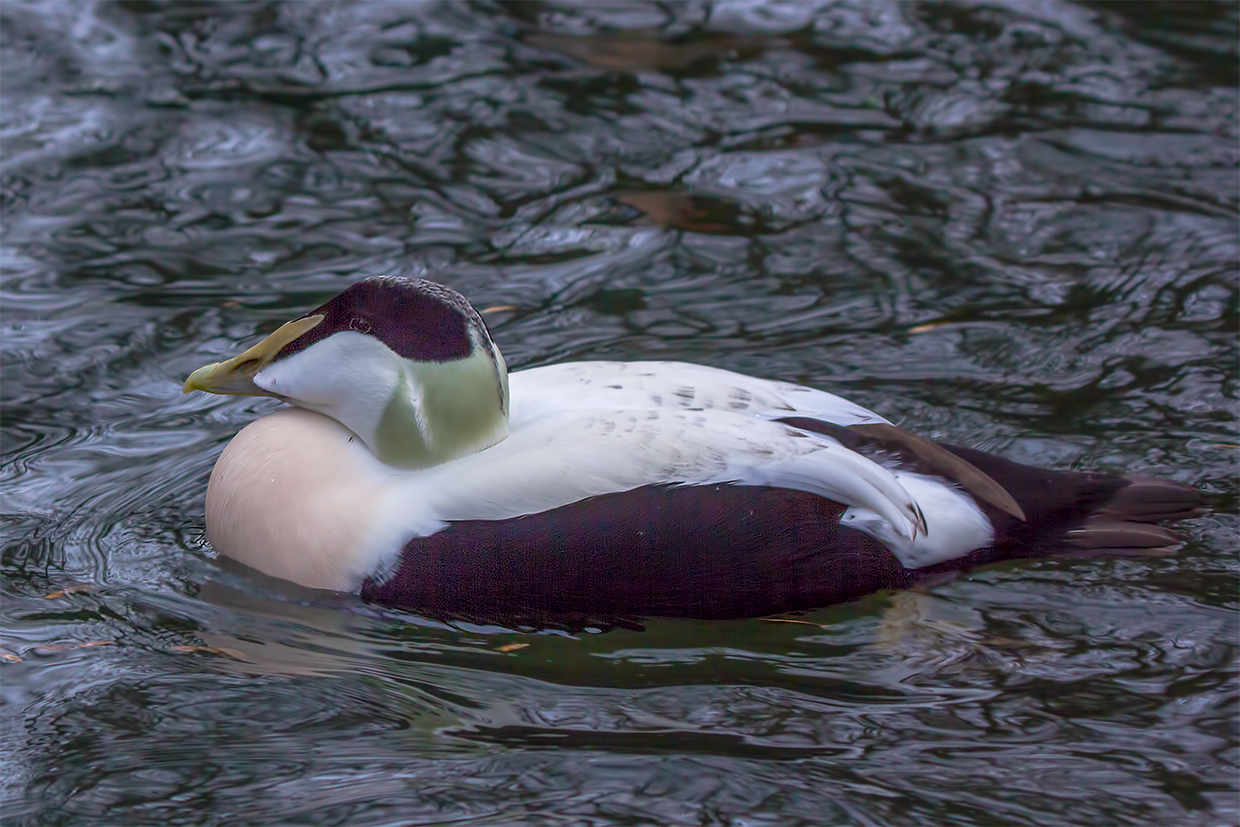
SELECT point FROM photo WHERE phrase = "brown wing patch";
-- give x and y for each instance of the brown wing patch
(922, 455)
(947, 464)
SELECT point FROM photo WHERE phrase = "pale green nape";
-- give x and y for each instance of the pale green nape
(444, 410)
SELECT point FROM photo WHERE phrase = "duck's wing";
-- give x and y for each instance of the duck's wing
(581, 386)
(614, 386)
(559, 460)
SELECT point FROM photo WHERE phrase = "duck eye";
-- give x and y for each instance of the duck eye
(359, 324)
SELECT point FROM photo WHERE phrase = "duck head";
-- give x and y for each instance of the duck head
(405, 364)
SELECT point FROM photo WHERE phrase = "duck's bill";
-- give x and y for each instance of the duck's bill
(236, 376)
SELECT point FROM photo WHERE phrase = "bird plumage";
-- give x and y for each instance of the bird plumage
(629, 488)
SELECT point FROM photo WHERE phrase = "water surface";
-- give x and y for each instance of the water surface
(1010, 226)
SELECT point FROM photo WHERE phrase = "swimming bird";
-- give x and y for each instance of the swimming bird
(414, 469)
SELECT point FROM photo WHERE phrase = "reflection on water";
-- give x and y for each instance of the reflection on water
(1014, 226)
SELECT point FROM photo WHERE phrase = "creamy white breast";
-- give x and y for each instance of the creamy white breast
(294, 495)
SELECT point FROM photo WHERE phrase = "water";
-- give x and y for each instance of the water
(1014, 226)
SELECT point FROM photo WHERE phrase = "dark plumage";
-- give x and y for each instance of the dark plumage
(710, 551)
(416, 318)
(608, 489)
(726, 551)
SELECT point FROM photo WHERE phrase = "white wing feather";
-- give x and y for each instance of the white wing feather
(557, 460)
(957, 528)
(842, 475)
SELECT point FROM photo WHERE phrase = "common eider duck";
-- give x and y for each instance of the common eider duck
(412, 468)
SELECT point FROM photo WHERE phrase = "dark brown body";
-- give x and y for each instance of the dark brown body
(726, 551)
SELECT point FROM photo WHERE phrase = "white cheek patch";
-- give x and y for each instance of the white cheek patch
(348, 376)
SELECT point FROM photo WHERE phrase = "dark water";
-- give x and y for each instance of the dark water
(1011, 226)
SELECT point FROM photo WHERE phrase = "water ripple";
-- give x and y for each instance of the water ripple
(1011, 226)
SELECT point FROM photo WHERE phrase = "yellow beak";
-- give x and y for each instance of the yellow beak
(236, 376)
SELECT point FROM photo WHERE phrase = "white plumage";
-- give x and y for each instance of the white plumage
(573, 431)
(621, 386)
(416, 471)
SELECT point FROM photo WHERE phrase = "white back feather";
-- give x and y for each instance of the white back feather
(644, 385)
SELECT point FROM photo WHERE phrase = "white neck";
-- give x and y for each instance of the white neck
(409, 414)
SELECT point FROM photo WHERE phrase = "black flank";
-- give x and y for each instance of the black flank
(730, 551)
(713, 551)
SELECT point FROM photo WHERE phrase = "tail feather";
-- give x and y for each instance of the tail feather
(1071, 512)
(1100, 532)
(1035, 512)
(1147, 500)
(1126, 524)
